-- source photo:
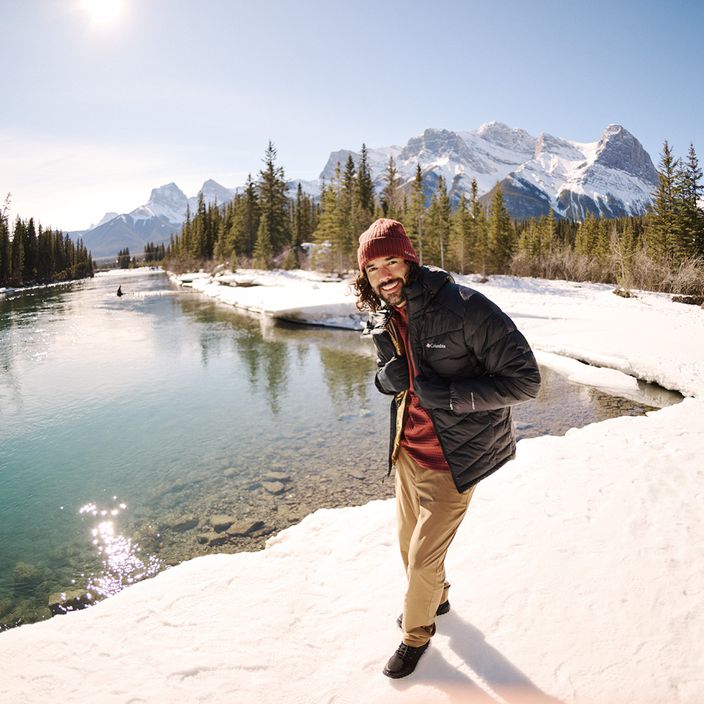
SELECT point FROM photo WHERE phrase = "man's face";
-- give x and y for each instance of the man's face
(388, 276)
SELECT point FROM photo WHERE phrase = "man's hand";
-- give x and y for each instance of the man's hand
(432, 390)
(393, 376)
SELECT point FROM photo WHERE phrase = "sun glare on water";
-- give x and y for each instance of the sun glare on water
(103, 12)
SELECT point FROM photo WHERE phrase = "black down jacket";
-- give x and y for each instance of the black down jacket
(461, 335)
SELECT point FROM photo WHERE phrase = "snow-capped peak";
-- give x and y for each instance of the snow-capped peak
(106, 218)
(168, 201)
(502, 135)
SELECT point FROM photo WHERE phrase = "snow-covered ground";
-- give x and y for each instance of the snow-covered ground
(577, 574)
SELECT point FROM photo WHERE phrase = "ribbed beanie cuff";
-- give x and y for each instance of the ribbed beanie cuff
(384, 238)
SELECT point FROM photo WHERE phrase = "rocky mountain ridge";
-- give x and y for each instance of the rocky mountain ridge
(611, 177)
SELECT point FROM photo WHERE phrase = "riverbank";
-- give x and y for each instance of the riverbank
(577, 321)
(576, 576)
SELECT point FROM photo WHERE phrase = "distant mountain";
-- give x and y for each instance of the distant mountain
(611, 177)
(162, 216)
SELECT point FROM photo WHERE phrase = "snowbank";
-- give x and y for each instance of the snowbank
(577, 573)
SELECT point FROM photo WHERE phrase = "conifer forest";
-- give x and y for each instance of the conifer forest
(34, 255)
(264, 227)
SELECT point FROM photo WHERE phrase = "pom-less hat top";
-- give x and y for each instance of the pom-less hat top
(385, 238)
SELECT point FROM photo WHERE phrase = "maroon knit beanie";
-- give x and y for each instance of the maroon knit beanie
(385, 238)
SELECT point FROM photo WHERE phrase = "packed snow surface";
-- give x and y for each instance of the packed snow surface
(576, 575)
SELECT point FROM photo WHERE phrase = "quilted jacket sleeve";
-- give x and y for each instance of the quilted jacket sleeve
(511, 372)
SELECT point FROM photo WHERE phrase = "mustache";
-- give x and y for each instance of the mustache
(391, 281)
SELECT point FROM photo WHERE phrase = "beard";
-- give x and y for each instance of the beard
(396, 297)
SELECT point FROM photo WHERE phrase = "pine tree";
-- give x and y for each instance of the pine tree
(391, 196)
(438, 225)
(547, 234)
(365, 185)
(263, 249)
(461, 237)
(29, 264)
(199, 238)
(414, 219)
(273, 201)
(689, 192)
(501, 239)
(351, 218)
(329, 234)
(480, 230)
(246, 221)
(585, 241)
(5, 247)
(17, 253)
(664, 227)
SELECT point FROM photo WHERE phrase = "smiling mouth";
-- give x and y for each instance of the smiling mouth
(390, 285)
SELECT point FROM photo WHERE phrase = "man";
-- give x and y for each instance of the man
(454, 363)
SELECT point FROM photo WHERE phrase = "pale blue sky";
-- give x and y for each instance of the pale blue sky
(95, 116)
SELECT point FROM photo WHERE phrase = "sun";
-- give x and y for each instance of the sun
(102, 12)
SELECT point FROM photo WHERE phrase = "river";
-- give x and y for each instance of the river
(141, 431)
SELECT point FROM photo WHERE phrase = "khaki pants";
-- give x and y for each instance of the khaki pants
(429, 510)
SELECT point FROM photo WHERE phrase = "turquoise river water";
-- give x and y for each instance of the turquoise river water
(131, 427)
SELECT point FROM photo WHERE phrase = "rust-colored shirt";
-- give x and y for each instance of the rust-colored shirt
(418, 438)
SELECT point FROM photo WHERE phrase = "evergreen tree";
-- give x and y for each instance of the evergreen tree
(664, 230)
(414, 219)
(5, 247)
(586, 235)
(501, 239)
(461, 237)
(353, 219)
(17, 253)
(548, 234)
(123, 258)
(45, 259)
(263, 249)
(689, 192)
(298, 229)
(273, 202)
(391, 196)
(29, 264)
(438, 225)
(199, 238)
(246, 220)
(329, 234)
(365, 186)
(480, 230)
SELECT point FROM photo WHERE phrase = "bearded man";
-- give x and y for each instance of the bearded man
(454, 364)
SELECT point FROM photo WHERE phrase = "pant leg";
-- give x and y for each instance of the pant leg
(440, 510)
(407, 503)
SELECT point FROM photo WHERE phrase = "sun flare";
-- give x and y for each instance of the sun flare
(103, 12)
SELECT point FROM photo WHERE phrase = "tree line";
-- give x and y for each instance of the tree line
(34, 255)
(264, 227)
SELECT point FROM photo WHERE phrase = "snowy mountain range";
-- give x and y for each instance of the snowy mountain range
(611, 177)
(155, 221)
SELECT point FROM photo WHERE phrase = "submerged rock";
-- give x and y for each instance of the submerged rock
(246, 528)
(71, 600)
(213, 539)
(276, 476)
(181, 523)
(27, 578)
(220, 522)
(273, 487)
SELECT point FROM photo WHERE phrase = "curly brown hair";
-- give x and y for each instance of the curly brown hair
(367, 299)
